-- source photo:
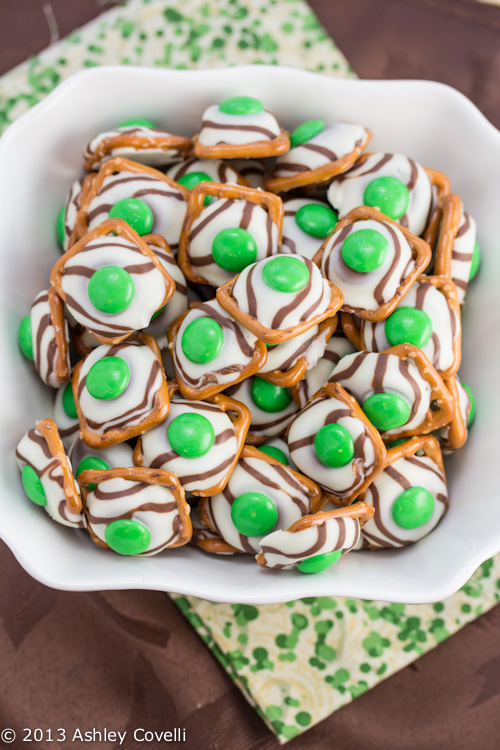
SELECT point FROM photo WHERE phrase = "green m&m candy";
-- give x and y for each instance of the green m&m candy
(316, 220)
(394, 443)
(108, 378)
(33, 486)
(25, 338)
(408, 325)
(276, 453)
(269, 397)
(386, 411)
(334, 445)
(190, 179)
(472, 402)
(127, 537)
(137, 124)
(364, 250)
(285, 273)
(92, 462)
(202, 340)
(241, 105)
(305, 132)
(234, 249)
(319, 562)
(60, 231)
(135, 212)
(413, 508)
(388, 194)
(157, 313)
(476, 260)
(111, 289)
(254, 514)
(191, 435)
(68, 402)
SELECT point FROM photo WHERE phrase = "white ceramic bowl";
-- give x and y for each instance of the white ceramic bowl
(40, 155)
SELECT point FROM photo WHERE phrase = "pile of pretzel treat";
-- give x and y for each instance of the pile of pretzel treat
(254, 337)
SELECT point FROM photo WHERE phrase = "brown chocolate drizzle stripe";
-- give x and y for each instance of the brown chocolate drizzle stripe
(246, 215)
(38, 438)
(413, 175)
(289, 243)
(312, 550)
(296, 354)
(141, 268)
(84, 271)
(96, 245)
(349, 371)
(49, 469)
(251, 298)
(378, 515)
(378, 292)
(460, 283)
(292, 167)
(323, 150)
(376, 167)
(147, 507)
(437, 349)
(269, 232)
(62, 509)
(284, 311)
(301, 443)
(201, 476)
(226, 322)
(246, 128)
(463, 257)
(422, 465)
(104, 326)
(404, 369)
(379, 372)
(263, 427)
(464, 227)
(115, 180)
(339, 240)
(44, 324)
(224, 205)
(68, 431)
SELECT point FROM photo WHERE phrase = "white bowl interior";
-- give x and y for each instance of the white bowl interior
(40, 155)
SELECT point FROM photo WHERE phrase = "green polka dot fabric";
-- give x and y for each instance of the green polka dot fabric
(296, 663)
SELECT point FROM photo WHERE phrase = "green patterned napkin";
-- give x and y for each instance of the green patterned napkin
(296, 663)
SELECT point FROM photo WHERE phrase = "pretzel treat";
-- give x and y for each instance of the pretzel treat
(306, 223)
(271, 406)
(207, 540)
(287, 363)
(409, 497)
(453, 435)
(427, 317)
(112, 285)
(46, 474)
(44, 338)
(279, 298)
(68, 213)
(65, 416)
(135, 511)
(227, 228)
(333, 441)
(316, 542)
(318, 153)
(199, 442)
(120, 391)
(138, 140)
(373, 260)
(337, 347)
(457, 251)
(142, 196)
(211, 351)
(82, 457)
(192, 171)
(399, 390)
(261, 495)
(252, 171)
(239, 127)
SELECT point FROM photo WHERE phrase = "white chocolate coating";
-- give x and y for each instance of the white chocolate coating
(316, 376)
(218, 127)
(116, 456)
(343, 480)
(68, 427)
(294, 239)
(382, 531)
(280, 310)
(33, 450)
(71, 208)
(149, 154)
(134, 502)
(226, 213)
(284, 548)
(368, 290)
(310, 345)
(331, 144)
(291, 497)
(264, 423)
(43, 334)
(445, 325)
(464, 406)
(166, 202)
(347, 191)
(253, 170)
(149, 286)
(218, 170)
(177, 304)
(461, 256)
(195, 474)
(365, 373)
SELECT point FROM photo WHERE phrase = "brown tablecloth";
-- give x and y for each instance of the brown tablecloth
(122, 661)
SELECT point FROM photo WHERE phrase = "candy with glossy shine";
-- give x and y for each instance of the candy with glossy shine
(127, 537)
(191, 435)
(108, 378)
(202, 340)
(254, 514)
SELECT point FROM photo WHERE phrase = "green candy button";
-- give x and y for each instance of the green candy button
(476, 260)
(388, 194)
(108, 378)
(135, 212)
(127, 537)
(33, 486)
(202, 340)
(472, 401)
(276, 453)
(254, 514)
(191, 435)
(408, 325)
(394, 443)
(137, 124)
(269, 397)
(234, 249)
(60, 230)
(319, 562)
(386, 411)
(413, 508)
(68, 402)
(316, 220)
(91, 462)
(241, 105)
(305, 132)
(334, 445)
(191, 179)
(25, 338)
(111, 289)
(364, 250)
(285, 274)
